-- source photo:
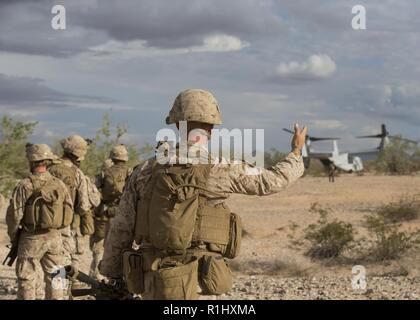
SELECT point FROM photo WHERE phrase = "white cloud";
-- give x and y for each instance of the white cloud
(136, 48)
(403, 95)
(222, 42)
(315, 67)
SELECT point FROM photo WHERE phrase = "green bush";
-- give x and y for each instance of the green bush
(13, 163)
(14, 136)
(105, 139)
(328, 238)
(390, 243)
(399, 157)
(316, 169)
(272, 157)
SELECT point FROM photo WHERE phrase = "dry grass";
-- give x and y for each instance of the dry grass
(407, 208)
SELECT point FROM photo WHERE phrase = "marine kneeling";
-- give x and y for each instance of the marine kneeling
(40, 206)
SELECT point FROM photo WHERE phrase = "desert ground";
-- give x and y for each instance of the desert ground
(273, 263)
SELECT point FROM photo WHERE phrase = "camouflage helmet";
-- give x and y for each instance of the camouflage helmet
(195, 105)
(119, 153)
(39, 152)
(75, 145)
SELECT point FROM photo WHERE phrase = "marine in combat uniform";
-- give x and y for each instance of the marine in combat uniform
(174, 231)
(331, 172)
(39, 209)
(110, 182)
(67, 170)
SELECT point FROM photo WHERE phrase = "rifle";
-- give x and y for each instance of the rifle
(98, 289)
(12, 255)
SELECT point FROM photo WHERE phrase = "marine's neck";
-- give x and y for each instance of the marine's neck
(39, 170)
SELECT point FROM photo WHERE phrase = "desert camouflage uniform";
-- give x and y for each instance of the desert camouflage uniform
(96, 241)
(36, 249)
(201, 110)
(102, 224)
(74, 241)
(225, 178)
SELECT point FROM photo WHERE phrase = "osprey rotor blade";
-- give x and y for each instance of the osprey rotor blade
(323, 139)
(372, 136)
(313, 138)
(289, 131)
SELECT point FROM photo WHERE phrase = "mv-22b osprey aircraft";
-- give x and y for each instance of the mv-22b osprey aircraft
(346, 161)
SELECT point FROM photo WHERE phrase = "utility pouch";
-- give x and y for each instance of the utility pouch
(132, 263)
(100, 228)
(176, 281)
(215, 277)
(231, 250)
(87, 225)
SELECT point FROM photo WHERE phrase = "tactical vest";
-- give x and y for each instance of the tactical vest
(47, 207)
(68, 175)
(175, 214)
(113, 183)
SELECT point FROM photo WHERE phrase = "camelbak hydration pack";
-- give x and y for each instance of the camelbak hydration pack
(113, 183)
(175, 213)
(48, 207)
(68, 175)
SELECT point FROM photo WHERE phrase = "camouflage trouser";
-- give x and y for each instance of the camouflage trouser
(97, 247)
(74, 245)
(46, 250)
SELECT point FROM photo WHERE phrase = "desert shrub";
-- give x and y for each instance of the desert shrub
(106, 138)
(389, 242)
(405, 209)
(14, 136)
(328, 238)
(399, 157)
(13, 163)
(287, 267)
(316, 169)
(272, 156)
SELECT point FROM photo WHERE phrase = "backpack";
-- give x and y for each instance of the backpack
(174, 214)
(68, 175)
(47, 207)
(113, 183)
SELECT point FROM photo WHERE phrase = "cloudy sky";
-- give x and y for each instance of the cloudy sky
(269, 63)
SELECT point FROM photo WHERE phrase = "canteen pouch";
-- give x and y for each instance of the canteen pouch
(132, 263)
(215, 276)
(176, 281)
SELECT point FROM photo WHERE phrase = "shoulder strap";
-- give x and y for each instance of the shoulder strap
(37, 183)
